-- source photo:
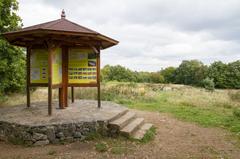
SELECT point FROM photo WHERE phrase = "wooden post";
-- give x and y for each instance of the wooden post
(64, 95)
(50, 58)
(72, 94)
(28, 75)
(60, 90)
(60, 98)
(98, 79)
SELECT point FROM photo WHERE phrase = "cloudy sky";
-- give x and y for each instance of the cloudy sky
(153, 34)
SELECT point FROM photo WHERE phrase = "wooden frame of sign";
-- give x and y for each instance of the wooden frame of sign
(63, 86)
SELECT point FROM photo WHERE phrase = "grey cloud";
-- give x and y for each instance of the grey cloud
(152, 33)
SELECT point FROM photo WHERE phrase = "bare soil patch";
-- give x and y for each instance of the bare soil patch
(174, 140)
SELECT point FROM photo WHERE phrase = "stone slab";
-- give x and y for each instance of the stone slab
(79, 111)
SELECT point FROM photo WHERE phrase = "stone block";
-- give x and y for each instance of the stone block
(38, 136)
(41, 143)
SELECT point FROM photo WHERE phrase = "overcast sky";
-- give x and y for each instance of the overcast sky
(153, 34)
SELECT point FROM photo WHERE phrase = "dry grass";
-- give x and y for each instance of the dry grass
(179, 94)
(202, 98)
(40, 94)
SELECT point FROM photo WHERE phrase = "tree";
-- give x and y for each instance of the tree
(118, 73)
(12, 59)
(190, 72)
(105, 73)
(143, 77)
(168, 74)
(156, 77)
(218, 72)
(9, 20)
(233, 75)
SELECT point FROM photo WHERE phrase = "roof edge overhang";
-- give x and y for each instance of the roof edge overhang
(43, 32)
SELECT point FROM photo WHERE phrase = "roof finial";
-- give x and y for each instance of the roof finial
(63, 14)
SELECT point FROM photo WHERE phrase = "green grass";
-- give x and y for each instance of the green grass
(118, 145)
(149, 136)
(223, 115)
(94, 136)
(118, 150)
(101, 147)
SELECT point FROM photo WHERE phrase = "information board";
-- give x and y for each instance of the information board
(57, 66)
(39, 66)
(82, 66)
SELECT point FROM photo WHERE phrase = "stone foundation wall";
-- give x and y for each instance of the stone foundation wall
(45, 134)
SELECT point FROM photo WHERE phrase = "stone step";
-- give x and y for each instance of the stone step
(131, 127)
(139, 134)
(123, 120)
(118, 115)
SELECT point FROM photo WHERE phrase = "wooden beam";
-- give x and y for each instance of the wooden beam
(28, 75)
(57, 85)
(72, 94)
(98, 80)
(45, 85)
(39, 84)
(82, 85)
(97, 51)
(76, 41)
(60, 101)
(65, 76)
(50, 58)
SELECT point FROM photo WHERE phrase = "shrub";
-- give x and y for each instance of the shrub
(208, 84)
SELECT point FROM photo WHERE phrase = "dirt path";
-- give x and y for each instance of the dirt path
(174, 139)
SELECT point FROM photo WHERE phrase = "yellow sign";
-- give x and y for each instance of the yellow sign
(39, 66)
(57, 66)
(82, 66)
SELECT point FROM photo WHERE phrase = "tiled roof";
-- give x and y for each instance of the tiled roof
(60, 25)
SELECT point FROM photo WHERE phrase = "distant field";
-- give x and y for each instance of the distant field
(220, 108)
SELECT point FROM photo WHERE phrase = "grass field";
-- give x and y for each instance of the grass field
(220, 108)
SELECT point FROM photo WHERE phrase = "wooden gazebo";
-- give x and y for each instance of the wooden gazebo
(61, 54)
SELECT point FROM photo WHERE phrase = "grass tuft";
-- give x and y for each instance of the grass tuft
(52, 152)
(101, 147)
(119, 150)
(93, 136)
(149, 136)
(16, 141)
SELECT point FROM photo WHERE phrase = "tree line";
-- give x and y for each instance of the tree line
(189, 72)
